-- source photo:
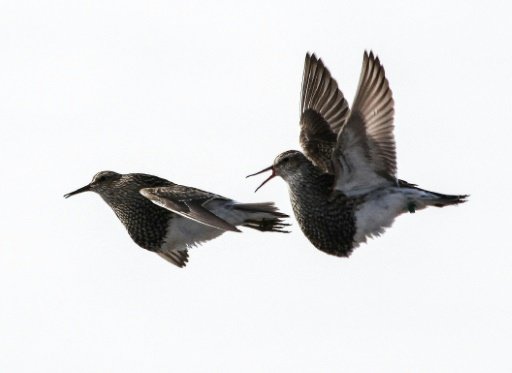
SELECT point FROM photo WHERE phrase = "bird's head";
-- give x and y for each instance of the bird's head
(287, 165)
(101, 183)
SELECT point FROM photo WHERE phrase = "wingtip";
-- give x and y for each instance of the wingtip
(373, 57)
(370, 55)
(311, 58)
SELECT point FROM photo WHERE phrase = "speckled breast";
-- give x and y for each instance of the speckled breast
(327, 221)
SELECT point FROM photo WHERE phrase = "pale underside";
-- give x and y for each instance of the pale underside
(202, 216)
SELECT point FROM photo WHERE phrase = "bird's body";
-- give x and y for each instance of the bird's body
(168, 218)
(326, 220)
(344, 188)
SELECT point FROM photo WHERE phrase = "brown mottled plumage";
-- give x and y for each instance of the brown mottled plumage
(168, 218)
(344, 188)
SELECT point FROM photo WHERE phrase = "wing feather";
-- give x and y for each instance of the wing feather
(365, 154)
(324, 111)
(189, 203)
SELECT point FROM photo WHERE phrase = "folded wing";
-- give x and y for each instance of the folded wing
(189, 203)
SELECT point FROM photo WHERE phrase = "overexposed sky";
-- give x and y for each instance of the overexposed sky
(204, 93)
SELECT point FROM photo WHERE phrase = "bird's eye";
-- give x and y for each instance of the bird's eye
(101, 179)
(286, 159)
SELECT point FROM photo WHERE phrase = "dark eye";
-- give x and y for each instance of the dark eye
(101, 179)
(286, 159)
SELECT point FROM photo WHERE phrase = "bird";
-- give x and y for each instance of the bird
(344, 189)
(169, 218)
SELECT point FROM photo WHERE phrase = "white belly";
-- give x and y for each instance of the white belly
(378, 213)
(184, 233)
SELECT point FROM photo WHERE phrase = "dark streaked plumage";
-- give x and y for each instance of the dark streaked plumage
(167, 218)
(344, 189)
(327, 222)
(323, 110)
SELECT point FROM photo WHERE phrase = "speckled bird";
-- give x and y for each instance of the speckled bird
(343, 188)
(168, 218)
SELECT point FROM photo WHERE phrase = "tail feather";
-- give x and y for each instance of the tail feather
(268, 207)
(423, 198)
(263, 216)
(447, 199)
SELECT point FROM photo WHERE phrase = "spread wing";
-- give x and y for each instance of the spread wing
(323, 110)
(189, 203)
(364, 156)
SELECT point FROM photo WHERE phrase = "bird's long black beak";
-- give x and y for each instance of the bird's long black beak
(81, 190)
(271, 168)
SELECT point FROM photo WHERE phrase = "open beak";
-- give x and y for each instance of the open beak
(271, 168)
(81, 190)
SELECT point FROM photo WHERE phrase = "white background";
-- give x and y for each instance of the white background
(204, 94)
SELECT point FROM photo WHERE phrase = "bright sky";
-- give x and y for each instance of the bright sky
(204, 93)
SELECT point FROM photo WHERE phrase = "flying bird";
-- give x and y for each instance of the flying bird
(168, 218)
(343, 188)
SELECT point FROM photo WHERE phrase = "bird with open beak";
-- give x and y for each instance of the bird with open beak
(343, 188)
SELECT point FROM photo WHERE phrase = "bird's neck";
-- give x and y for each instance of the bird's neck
(310, 180)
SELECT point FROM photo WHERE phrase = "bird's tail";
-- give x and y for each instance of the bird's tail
(263, 216)
(422, 198)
